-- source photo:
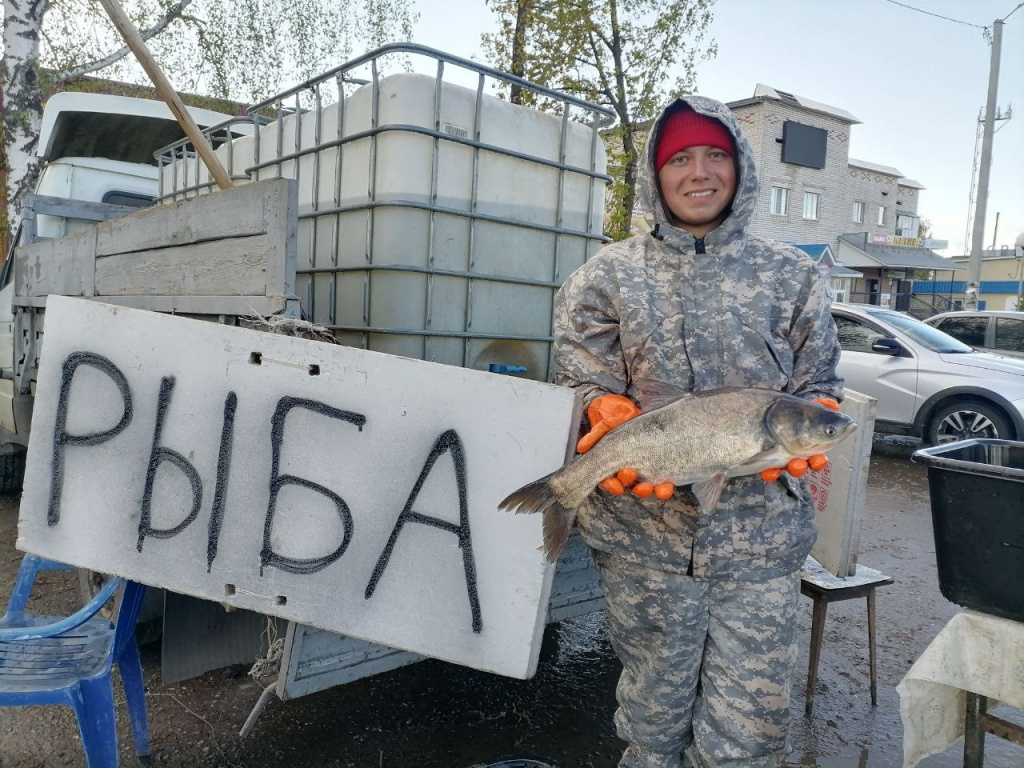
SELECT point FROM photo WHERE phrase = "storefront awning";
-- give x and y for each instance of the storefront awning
(822, 253)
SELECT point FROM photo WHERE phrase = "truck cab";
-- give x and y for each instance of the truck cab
(97, 156)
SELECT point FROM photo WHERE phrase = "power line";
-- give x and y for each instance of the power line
(939, 16)
(1019, 6)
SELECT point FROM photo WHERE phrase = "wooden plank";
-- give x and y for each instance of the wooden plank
(839, 491)
(77, 209)
(565, 610)
(29, 301)
(817, 577)
(281, 212)
(237, 212)
(315, 660)
(348, 490)
(185, 305)
(64, 265)
(861, 452)
(231, 267)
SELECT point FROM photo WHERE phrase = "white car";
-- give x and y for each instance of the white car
(996, 331)
(927, 383)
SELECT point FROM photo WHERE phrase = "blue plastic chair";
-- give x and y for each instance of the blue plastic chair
(57, 660)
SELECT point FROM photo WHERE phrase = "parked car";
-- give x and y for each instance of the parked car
(987, 330)
(927, 383)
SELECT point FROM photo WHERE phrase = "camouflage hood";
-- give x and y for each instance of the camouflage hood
(655, 212)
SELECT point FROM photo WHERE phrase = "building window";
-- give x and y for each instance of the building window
(858, 213)
(906, 226)
(780, 201)
(881, 215)
(811, 205)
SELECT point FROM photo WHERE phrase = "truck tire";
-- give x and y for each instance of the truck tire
(12, 471)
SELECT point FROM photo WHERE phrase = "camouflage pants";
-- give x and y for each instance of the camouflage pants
(707, 666)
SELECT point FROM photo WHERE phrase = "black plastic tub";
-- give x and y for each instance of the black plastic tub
(977, 501)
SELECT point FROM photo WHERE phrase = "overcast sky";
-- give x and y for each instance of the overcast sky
(917, 84)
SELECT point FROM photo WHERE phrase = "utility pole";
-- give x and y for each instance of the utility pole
(1018, 251)
(978, 239)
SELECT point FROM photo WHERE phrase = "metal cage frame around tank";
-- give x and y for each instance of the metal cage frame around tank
(304, 102)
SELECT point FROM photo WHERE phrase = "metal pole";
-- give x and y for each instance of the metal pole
(995, 232)
(1018, 248)
(974, 733)
(978, 240)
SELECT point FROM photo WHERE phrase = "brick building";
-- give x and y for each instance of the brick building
(814, 194)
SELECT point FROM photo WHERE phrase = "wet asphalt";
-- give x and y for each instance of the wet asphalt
(438, 715)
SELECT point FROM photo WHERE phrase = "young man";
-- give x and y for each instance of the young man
(701, 608)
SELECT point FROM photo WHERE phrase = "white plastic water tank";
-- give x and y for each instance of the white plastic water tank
(455, 289)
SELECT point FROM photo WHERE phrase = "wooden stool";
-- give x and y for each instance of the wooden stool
(823, 588)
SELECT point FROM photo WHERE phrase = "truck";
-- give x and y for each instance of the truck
(97, 162)
(413, 214)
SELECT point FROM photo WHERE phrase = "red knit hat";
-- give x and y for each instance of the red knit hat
(686, 128)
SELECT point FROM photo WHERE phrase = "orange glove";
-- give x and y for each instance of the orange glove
(797, 467)
(626, 480)
(606, 413)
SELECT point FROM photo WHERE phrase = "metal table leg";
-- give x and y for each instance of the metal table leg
(974, 736)
(817, 636)
(871, 648)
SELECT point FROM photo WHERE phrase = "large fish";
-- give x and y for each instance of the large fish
(700, 439)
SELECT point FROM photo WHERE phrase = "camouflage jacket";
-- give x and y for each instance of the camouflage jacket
(732, 310)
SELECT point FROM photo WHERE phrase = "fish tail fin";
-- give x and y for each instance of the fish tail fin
(539, 496)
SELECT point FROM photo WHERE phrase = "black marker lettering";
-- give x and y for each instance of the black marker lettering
(227, 434)
(61, 437)
(157, 455)
(268, 557)
(449, 441)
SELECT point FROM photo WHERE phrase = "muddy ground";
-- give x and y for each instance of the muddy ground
(436, 715)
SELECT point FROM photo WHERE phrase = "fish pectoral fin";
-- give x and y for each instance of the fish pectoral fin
(776, 456)
(708, 490)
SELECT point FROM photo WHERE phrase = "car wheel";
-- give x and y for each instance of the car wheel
(965, 420)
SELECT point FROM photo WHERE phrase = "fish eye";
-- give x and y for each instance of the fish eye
(830, 431)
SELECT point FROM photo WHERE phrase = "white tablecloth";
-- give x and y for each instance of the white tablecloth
(973, 652)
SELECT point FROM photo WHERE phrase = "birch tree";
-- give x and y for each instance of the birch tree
(244, 50)
(628, 55)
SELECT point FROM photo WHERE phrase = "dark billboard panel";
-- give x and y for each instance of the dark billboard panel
(803, 144)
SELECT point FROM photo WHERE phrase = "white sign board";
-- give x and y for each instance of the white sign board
(349, 490)
(840, 490)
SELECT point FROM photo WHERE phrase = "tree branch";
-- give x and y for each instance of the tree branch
(622, 104)
(172, 14)
(601, 75)
(597, 32)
